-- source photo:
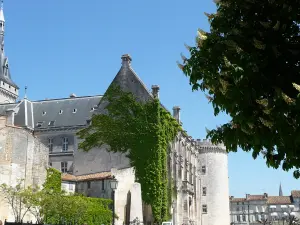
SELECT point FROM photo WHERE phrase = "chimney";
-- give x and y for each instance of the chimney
(10, 117)
(176, 113)
(247, 196)
(73, 95)
(126, 60)
(155, 91)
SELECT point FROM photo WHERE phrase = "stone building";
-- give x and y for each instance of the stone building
(23, 158)
(198, 168)
(253, 208)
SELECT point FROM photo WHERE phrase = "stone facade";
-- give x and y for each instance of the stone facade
(22, 157)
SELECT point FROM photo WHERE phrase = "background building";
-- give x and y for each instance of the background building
(252, 208)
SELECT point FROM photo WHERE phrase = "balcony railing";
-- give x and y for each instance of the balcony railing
(188, 187)
(65, 153)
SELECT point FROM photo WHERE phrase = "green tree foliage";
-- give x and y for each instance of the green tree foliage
(18, 197)
(248, 64)
(142, 130)
(53, 206)
(53, 180)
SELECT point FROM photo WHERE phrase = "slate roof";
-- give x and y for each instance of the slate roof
(89, 177)
(66, 112)
(279, 200)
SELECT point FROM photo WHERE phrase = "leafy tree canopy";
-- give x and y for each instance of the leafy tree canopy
(249, 66)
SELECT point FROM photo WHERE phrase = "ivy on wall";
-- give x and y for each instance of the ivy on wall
(142, 130)
(53, 180)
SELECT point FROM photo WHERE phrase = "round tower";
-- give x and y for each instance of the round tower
(214, 187)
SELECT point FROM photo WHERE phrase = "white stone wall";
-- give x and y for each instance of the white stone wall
(8, 94)
(215, 180)
(22, 156)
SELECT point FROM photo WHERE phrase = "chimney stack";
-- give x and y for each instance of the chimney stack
(176, 113)
(10, 117)
(126, 60)
(155, 91)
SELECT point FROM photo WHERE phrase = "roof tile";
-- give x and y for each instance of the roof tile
(89, 177)
(279, 200)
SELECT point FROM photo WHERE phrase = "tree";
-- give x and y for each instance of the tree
(248, 64)
(18, 197)
(264, 222)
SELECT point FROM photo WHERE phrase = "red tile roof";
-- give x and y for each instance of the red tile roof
(238, 200)
(89, 177)
(279, 200)
(295, 194)
(256, 197)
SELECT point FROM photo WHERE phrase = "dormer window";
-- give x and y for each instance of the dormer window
(92, 109)
(60, 111)
(44, 113)
(74, 110)
(51, 123)
(88, 122)
(39, 124)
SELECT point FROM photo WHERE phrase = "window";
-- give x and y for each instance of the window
(64, 167)
(44, 113)
(74, 110)
(70, 186)
(204, 191)
(203, 170)
(103, 185)
(244, 218)
(50, 163)
(65, 144)
(60, 111)
(238, 218)
(51, 123)
(92, 109)
(50, 144)
(88, 122)
(204, 208)
(89, 184)
(238, 209)
(39, 124)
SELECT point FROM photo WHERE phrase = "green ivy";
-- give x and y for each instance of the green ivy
(142, 130)
(53, 180)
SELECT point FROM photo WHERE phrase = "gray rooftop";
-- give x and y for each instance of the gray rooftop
(73, 111)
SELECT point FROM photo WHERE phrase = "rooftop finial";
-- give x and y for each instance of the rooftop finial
(126, 60)
(1, 4)
(1, 13)
(25, 96)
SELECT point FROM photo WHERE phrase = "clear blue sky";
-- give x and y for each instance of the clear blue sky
(60, 47)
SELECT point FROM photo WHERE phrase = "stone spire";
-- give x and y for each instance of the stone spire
(8, 89)
(280, 190)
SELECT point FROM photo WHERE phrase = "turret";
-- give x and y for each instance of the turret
(213, 171)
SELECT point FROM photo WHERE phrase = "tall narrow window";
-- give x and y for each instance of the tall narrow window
(65, 144)
(103, 185)
(64, 167)
(204, 208)
(50, 144)
(203, 191)
(203, 170)
(89, 184)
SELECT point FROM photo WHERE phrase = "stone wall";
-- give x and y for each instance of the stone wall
(22, 156)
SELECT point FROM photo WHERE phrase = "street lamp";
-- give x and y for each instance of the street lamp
(113, 186)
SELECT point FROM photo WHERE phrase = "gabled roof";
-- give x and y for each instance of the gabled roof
(238, 200)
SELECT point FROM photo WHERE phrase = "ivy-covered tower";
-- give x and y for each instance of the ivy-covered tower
(8, 89)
